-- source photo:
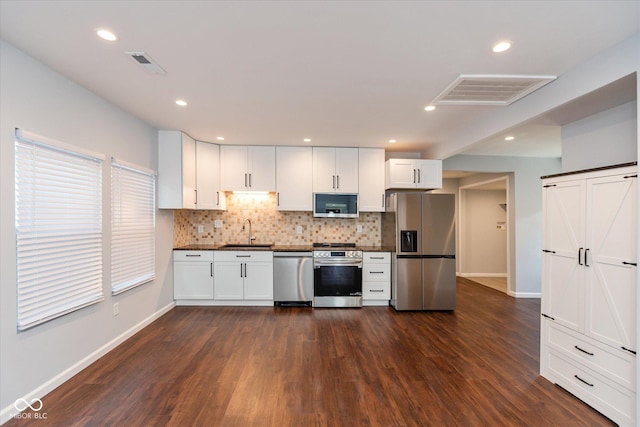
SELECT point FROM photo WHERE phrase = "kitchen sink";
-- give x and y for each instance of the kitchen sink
(247, 246)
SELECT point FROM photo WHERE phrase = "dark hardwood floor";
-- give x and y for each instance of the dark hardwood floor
(234, 366)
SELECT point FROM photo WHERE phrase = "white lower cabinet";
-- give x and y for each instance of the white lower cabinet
(244, 276)
(192, 275)
(376, 278)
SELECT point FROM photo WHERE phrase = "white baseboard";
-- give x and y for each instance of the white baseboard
(525, 294)
(10, 411)
(482, 274)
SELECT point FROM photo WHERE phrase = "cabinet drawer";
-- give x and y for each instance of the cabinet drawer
(613, 401)
(244, 256)
(612, 363)
(205, 256)
(376, 257)
(376, 291)
(376, 273)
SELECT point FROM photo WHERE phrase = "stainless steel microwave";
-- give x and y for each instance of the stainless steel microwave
(335, 205)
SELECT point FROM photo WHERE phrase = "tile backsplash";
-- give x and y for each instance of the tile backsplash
(270, 225)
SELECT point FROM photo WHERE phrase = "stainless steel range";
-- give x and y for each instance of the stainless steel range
(337, 274)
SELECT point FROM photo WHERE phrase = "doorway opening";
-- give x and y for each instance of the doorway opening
(485, 237)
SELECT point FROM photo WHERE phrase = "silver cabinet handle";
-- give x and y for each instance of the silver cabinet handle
(217, 198)
(277, 199)
(245, 180)
(249, 180)
(376, 272)
(414, 176)
(337, 182)
(376, 257)
(334, 182)
(376, 290)
(198, 255)
(383, 200)
(211, 269)
(196, 201)
(243, 256)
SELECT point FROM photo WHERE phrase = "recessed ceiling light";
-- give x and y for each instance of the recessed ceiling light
(181, 103)
(106, 35)
(220, 138)
(307, 140)
(501, 47)
(509, 138)
(392, 141)
(429, 108)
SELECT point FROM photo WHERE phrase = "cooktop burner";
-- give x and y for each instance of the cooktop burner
(334, 245)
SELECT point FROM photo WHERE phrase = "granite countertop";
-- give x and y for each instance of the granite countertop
(274, 248)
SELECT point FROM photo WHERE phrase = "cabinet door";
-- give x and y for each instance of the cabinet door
(371, 179)
(258, 281)
(324, 172)
(192, 280)
(229, 280)
(188, 172)
(400, 173)
(176, 170)
(346, 170)
(294, 179)
(208, 192)
(611, 279)
(262, 168)
(563, 242)
(429, 174)
(233, 168)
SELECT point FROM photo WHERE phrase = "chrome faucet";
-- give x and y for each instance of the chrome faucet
(251, 238)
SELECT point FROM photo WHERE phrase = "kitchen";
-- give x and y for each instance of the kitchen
(76, 340)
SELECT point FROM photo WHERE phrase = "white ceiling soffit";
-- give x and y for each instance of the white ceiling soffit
(497, 90)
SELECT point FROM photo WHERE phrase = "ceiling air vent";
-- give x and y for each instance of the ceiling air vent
(146, 62)
(479, 89)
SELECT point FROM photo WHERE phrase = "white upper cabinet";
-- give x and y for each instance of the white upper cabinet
(208, 193)
(371, 179)
(176, 170)
(421, 174)
(335, 170)
(293, 178)
(248, 168)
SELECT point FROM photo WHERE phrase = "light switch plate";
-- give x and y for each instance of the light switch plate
(217, 223)
(298, 229)
(359, 228)
(200, 228)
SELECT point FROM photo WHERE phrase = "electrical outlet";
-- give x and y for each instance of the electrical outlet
(116, 309)
(217, 223)
(359, 228)
(298, 229)
(200, 228)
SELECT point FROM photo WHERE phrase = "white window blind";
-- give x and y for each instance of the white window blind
(133, 219)
(58, 230)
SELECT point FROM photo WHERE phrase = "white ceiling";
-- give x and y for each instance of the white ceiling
(353, 73)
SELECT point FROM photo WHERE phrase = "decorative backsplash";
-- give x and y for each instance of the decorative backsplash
(270, 225)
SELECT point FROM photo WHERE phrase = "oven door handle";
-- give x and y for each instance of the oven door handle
(318, 264)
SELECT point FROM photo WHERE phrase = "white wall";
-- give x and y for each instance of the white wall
(604, 139)
(525, 198)
(37, 99)
(485, 245)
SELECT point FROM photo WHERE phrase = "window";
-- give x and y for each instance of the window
(58, 229)
(133, 219)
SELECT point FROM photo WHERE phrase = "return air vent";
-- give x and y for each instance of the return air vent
(146, 62)
(479, 89)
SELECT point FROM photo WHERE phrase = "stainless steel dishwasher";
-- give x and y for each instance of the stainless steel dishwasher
(293, 278)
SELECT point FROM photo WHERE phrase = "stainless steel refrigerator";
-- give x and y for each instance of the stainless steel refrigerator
(421, 226)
